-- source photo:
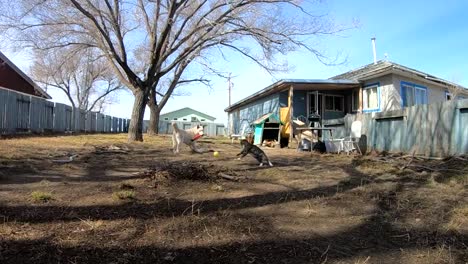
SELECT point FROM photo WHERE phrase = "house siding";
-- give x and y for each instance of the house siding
(187, 117)
(254, 110)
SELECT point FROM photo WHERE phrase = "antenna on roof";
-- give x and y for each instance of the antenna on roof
(373, 50)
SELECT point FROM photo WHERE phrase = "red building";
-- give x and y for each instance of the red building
(12, 78)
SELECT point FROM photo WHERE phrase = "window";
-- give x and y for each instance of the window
(194, 119)
(185, 119)
(371, 98)
(202, 119)
(266, 107)
(166, 118)
(175, 118)
(334, 103)
(448, 96)
(413, 94)
(355, 100)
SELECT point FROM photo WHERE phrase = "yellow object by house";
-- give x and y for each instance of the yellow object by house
(285, 119)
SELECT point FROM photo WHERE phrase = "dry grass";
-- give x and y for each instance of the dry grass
(308, 208)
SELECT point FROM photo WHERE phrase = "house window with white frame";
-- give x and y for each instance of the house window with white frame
(334, 103)
(413, 94)
(370, 96)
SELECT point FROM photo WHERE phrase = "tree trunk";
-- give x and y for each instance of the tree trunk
(153, 128)
(135, 129)
(155, 112)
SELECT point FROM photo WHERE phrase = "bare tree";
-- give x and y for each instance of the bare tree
(145, 40)
(85, 78)
(456, 91)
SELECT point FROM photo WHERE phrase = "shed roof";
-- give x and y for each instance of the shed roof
(40, 92)
(187, 111)
(264, 118)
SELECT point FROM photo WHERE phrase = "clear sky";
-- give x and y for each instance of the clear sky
(430, 36)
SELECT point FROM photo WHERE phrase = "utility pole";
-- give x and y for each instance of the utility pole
(229, 88)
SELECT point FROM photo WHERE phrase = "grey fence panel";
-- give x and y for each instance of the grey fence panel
(37, 110)
(59, 118)
(23, 106)
(80, 120)
(47, 119)
(115, 124)
(107, 124)
(120, 127)
(88, 121)
(11, 113)
(99, 122)
(3, 100)
(90, 125)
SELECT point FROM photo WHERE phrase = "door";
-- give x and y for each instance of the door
(314, 104)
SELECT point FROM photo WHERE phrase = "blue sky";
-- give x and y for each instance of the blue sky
(430, 36)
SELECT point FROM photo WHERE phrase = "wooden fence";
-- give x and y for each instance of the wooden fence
(439, 129)
(20, 113)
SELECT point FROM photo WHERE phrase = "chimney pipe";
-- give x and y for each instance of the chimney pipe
(373, 50)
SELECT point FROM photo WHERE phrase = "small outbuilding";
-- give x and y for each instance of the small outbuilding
(267, 127)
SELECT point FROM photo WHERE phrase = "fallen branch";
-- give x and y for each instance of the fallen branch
(70, 159)
(227, 177)
(409, 162)
(433, 169)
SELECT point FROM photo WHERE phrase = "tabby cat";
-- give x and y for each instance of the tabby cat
(255, 151)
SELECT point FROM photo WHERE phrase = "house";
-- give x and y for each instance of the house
(12, 78)
(377, 87)
(187, 114)
(186, 118)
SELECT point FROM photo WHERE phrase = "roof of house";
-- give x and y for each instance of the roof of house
(383, 67)
(187, 111)
(285, 83)
(37, 89)
(347, 79)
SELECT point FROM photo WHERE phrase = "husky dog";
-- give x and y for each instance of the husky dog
(187, 137)
(255, 151)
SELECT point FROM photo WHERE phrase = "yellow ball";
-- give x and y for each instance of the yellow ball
(216, 153)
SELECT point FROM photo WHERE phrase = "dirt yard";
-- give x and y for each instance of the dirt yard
(139, 203)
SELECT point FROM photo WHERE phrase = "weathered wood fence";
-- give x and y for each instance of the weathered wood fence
(21, 113)
(439, 129)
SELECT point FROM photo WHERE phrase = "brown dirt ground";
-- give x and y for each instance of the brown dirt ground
(308, 208)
